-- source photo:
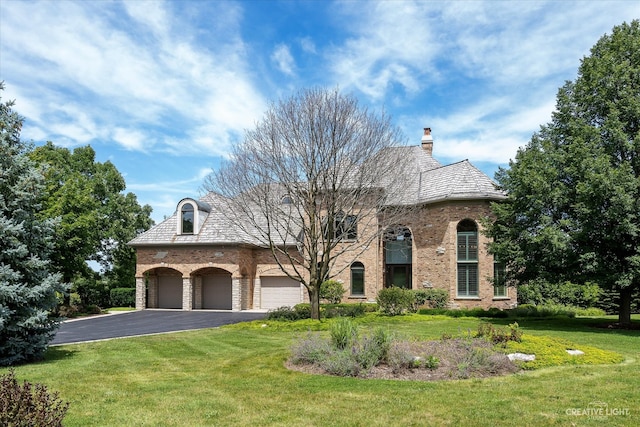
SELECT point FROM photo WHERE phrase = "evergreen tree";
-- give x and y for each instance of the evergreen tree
(27, 285)
(573, 210)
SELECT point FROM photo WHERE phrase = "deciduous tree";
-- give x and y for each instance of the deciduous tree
(311, 182)
(97, 218)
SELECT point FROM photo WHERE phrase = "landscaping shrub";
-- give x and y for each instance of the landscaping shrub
(433, 298)
(591, 311)
(282, 313)
(540, 292)
(310, 349)
(499, 335)
(343, 333)
(524, 310)
(342, 363)
(327, 311)
(332, 291)
(29, 405)
(122, 297)
(343, 310)
(345, 354)
(298, 312)
(400, 356)
(463, 312)
(303, 310)
(383, 339)
(368, 352)
(527, 310)
(394, 301)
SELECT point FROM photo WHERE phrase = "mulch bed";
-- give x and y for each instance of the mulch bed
(458, 359)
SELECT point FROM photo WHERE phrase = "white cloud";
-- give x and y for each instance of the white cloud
(392, 43)
(147, 74)
(485, 132)
(132, 139)
(307, 45)
(151, 13)
(283, 59)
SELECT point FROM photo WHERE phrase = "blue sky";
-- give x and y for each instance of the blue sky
(163, 89)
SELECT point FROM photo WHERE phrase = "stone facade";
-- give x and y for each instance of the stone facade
(213, 268)
(434, 263)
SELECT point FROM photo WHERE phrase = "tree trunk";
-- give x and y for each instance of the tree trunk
(624, 307)
(314, 299)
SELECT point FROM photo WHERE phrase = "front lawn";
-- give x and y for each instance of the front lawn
(235, 375)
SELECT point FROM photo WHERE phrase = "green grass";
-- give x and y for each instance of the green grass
(235, 376)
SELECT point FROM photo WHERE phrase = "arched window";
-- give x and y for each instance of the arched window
(187, 218)
(467, 236)
(287, 200)
(357, 278)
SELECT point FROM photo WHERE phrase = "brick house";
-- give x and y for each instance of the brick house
(196, 260)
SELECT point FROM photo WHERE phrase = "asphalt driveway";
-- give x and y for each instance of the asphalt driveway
(145, 322)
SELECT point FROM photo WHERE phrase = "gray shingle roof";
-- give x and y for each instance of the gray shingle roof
(427, 182)
(457, 181)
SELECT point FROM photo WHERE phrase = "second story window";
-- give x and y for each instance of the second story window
(187, 218)
(346, 227)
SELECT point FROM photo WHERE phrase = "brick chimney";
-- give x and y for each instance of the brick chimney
(427, 141)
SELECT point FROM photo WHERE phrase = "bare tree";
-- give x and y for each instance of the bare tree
(312, 182)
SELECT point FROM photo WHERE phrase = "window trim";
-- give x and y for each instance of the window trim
(345, 227)
(357, 266)
(468, 260)
(180, 221)
(499, 281)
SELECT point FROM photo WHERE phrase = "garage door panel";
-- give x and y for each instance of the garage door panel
(169, 292)
(279, 291)
(217, 292)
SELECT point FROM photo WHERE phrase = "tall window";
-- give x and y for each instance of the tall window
(357, 278)
(187, 218)
(398, 257)
(346, 227)
(499, 282)
(467, 259)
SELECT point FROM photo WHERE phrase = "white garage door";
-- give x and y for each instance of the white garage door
(216, 291)
(169, 292)
(279, 291)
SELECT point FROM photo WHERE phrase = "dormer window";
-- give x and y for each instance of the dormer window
(287, 200)
(190, 216)
(187, 218)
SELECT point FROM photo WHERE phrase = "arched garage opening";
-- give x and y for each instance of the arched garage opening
(169, 289)
(215, 290)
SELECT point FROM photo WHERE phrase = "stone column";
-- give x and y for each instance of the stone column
(141, 294)
(244, 293)
(153, 292)
(236, 294)
(197, 292)
(187, 294)
(257, 292)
